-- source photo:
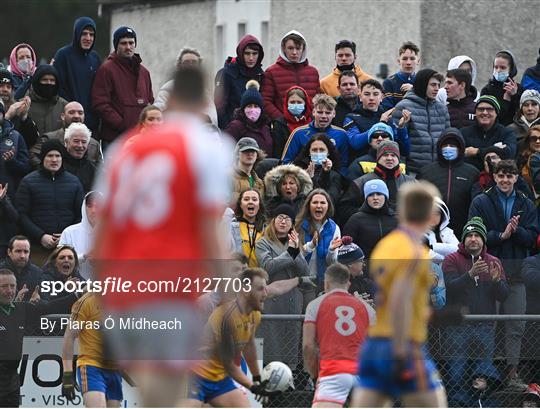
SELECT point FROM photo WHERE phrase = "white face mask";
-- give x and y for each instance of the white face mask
(25, 66)
(500, 76)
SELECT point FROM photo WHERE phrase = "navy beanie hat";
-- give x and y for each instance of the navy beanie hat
(251, 95)
(122, 32)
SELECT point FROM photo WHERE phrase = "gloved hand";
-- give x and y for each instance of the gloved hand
(259, 390)
(69, 385)
(400, 372)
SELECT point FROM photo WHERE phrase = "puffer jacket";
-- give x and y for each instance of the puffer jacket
(272, 181)
(279, 77)
(429, 118)
(48, 203)
(329, 84)
(480, 295)
(369, 225)
(443, 241)
(454, 179)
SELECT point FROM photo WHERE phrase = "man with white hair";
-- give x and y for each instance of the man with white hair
(76, 140)
(73, 112)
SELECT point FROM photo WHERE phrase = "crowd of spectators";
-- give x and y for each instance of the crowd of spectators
(320, 152)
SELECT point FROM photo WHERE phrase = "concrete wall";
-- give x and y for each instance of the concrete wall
(163, 31)
(442, 29)
(377, 27)
(479, 29)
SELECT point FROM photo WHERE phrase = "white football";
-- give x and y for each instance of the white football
(279, 377)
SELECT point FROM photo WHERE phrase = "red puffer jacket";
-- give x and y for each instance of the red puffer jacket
(282, 75)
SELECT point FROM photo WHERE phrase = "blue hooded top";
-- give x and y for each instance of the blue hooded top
(77, 69)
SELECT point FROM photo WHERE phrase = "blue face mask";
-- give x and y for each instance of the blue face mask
(318, 158)
(500, 76)
(450, 152)
(296, 109)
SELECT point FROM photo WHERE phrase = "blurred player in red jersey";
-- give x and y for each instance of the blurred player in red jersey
(336, 324)
(163, 200)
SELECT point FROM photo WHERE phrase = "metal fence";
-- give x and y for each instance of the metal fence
(465, 356)
(477, 349)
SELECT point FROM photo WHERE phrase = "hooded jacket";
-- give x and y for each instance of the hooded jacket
(369, 225)
(462, 111)
(453, 64)
(512, 251)
(521, 128)
(122, 88)
(48, 203)
(282, 127)
(495, 88)
(80, 236)
(21, 81)
(45, 112)
(230, 81)
(531, 77)
(429, 118)
(329, 84)
(283, 74)
(77, 70)
(272, 181)
(454, 179)
(479, 295)
(443, 241)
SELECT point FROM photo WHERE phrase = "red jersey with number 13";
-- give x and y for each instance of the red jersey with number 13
(157, 191)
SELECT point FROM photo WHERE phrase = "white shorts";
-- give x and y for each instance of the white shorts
(334, 388)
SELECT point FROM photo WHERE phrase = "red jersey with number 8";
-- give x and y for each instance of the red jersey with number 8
(341, 322)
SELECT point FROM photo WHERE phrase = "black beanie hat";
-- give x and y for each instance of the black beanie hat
(52, 145)
(122, 32)
(251, 95)
(285, 209)
(6, 77)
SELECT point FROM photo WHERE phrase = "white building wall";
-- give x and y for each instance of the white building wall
(163, 31)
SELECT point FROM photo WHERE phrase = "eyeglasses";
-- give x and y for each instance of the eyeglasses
(380, 136)
(485, 109)
(283, 218)
(491, 157)
(534, 139)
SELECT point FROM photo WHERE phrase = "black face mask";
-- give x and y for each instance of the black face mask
(46, 91)
(349, 67)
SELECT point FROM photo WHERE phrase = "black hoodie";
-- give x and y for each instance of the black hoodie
(454, 179)
(495, 88)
